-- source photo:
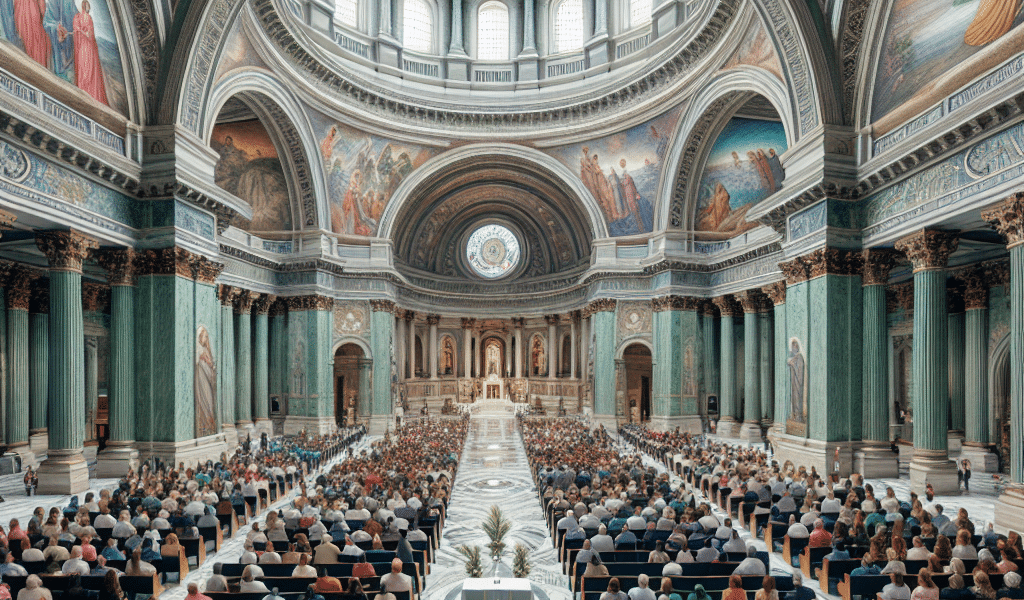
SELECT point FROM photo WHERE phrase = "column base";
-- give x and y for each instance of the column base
(954, 442)
(610, 422)
(63, 472)
(264, 425)
(876, 461)
(115, 460)
(190, 452)
(983, 460)
(39, 441)
(727, 427)
(90, 451)
(934, 468)
(1010, 510)
(230, 435)
(26, 456)
(751, 431)
(685, 423)
(808, 452)
(293, 424)
(379, 424)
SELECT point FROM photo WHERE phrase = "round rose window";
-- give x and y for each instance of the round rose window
(492, 251)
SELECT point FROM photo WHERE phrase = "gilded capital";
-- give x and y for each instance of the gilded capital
(408, 315)
(65, 250)
(975, 289)
(675, 303)
(468, 323)
(551, 319)
(244, 302)
(518, 322)
(776, 292)
(602, 305)
(1007, 218)
(7, 220)
(205, 270)
(120, 264)
(39, 302)
(831, 261)
(902, 296)
(728, 306)
(95, 297)
(18, 287)
(795, 271)
(227, 294)
(928, 248)
(261, 305)
(278, 307)
(167, 261)
(751, 300)
(386, 306)
(877, 264)
(433, 319)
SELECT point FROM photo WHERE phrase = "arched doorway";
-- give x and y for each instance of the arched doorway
(566, 357)
(493, 357)
(638, 381)
(999, 435)
(347, 361)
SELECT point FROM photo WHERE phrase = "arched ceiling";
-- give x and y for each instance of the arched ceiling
(549, 220)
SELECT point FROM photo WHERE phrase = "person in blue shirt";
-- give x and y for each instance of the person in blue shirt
(110, 552)
(801, 591)
(838, 553)
(867, 567)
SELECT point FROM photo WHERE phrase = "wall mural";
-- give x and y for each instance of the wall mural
(74, 39)
(756, 50)
(205, 385)
(447, 365)
(538, 356)
(933, 47)
(350, 319)
(238, 52)
(797, 365)
(742, 169)
(250, 169)
(363, 172)
(622, 171)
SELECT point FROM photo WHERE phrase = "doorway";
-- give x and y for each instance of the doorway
(346, 384)
(638, 382)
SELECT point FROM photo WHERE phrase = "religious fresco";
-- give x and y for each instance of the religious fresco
(933, 47)
(796, 363)
(205, 385)
(742, 169)
(447, 366)
(350, 319)
(622, 171)
(538, 355)
(249, 168)
(73, 39)
(363, 171)
(238, 52)
(756, 50)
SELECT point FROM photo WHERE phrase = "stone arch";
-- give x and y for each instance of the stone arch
(626, 343)
(998, 388)
(282, 115)
(351, 339)
(435, 167)
(704, 119)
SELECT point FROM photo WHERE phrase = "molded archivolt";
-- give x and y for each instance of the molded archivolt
(286, 123)
(438, 206)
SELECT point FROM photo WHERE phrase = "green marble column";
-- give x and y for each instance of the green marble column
(710, 354)
(365, 391)
(382, 325)
(226, 374)
(955, 332)
(666, 375)
(120, 266)
(278, 344)
(929, 253)
(18, 292)
(875, 404)
(4, 270)
(603, 315)
(976, 352)
(752, 303)
(727, 400)
(243, 359)
(38, 359)
(261, 361)
(776, 292)
(766, 368)
(65, 471)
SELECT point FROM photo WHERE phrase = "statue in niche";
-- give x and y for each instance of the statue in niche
(448, 356)
(493, 359)
(298, 373)
(797, 381)
(538, 364)
(205, 385)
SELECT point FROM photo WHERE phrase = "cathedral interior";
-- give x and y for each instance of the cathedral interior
(792, 220)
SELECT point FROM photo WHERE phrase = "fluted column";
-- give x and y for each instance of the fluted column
(278, 352)
(508, 354)
(65, 471)
(94, 303)
(603, 314)
(875, 459)
(261, 361)
(711, 354)
(120, 454)
(727, 401)
(467, 346)
(38, 364)
(243, 360)
(382, 399)
(574, 321)
(776, 292)
(476, 356)
(410, 326)
(955, 335)
(227, 296)
(457, 46)
(18, 290)
(767, 366)
(751, 302)
(432, 321)
(365, 393)
(976, 417)
(929, 253)
(520, 346)
(552, 321)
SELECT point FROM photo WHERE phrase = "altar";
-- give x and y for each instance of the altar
(497, 588)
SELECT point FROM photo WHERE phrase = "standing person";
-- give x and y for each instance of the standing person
(966, 474)
(31, 481)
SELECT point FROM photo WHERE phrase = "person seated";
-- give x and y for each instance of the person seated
(325, 583)
(839, 552)
(896, 590)
(670, 569)
(983, 586)
(751, 565)
(9, 567)
(895, 565)
(30, 554)
(396, 581)
(698, 593)
(963, 549)
(820, 537)
(1008, 555)
(797, 530)
(767, 591)
(613, 592)
(217, 582)
(735, 544)
(249, 582)
(34, 589)
(926, 588)
(1011, 587)
(658, 555)
(800, 591)
(642, 591)
(137, 566)
(111, 552)
(602, 542)
(75, 564)
(955, 589)
(363, 569)
(708, 553)
(919, 551)
(595, 568)
(735, 590)
(625, 540)
(269, 557)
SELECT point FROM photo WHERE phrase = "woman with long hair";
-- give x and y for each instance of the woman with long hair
(926, 588)
(767, 591)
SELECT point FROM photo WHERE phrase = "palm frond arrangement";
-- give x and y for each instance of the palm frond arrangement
(496, 526)
(521, 562)
(472, 554)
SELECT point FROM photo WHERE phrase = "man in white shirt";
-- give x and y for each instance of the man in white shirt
(797, 530)
(602, 542)
(751, 565)
(304, 569)
(642, 591)
(396, 581)
(567, 522)
(919, 551)
(326, 553)
(75, 564)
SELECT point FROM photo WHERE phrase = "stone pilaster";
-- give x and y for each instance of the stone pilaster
(955, 333)
(874, 458)
(365, 388)
(95, 299)
(674, 368)
(432, 321)
(766, 352)
(728, 402)
(381, 334)
(517, 325)
(18, 289)
(120, 453)
(226, 382)
(38, 364)
(710, 354)
(929, 252)
(467, 345)
(552, 321)
(278, 342)
(65, 471)
(976, 418)
(603, 315)
(410, 330)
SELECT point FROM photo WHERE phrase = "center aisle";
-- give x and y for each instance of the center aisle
(493, 470)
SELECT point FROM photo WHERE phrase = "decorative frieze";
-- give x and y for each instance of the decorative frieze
(121, 265)
(65, 250)
(377, 306)
(928, 248)
(975, 289)
(1007, 218)
(728, 306)
(877, 263)
(776, 292)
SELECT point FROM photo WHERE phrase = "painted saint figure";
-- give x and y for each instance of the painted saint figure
(205, 385)
(993, 19)
(59, 22)
(797, 378)
(28, 18)
(88, 70)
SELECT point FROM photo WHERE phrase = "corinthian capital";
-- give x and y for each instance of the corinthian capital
(65, 250)
(928, 249)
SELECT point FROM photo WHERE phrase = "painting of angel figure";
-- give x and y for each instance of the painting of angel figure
(363, 172)
(73, 39)
(742, 169)
(205, 385)
(249, 168)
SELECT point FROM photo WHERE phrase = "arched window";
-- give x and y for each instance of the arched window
(346, 11)
(417, 26)
(492, 31)
(639, 12)
(569, 26)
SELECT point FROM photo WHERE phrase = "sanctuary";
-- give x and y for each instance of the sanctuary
(791, 221)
